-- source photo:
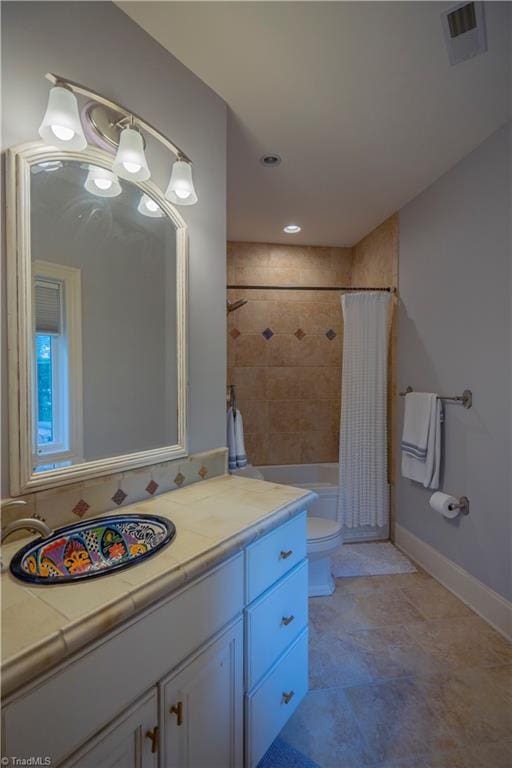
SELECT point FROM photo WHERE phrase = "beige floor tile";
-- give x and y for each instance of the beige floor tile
(463, 642)
(324, 729)
(497, 755)
(364, 584)
(387, 608)
(412, 762)
(434, 601)
(452, 759)
(475, 704)
(493, 755)
(335, 662)
(391, 652)
(344, 612)
(397, 721)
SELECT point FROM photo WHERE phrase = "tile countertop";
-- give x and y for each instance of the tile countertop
(214, 519)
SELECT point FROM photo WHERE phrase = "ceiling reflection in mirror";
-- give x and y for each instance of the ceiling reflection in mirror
(104, 369)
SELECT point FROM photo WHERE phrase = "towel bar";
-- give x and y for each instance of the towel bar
(466, 399)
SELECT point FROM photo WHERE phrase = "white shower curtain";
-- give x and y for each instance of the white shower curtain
(363, 497)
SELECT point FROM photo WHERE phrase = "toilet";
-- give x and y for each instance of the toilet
(324, 536)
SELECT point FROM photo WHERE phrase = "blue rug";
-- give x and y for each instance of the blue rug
(281, 755)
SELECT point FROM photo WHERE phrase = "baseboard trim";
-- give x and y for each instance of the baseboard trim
(491, 606)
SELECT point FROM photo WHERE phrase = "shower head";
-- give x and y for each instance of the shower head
(231, 306)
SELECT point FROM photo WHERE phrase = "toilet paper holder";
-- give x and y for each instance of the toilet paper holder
(462, 505)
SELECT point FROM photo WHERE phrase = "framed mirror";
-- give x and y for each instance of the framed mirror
(97, 291)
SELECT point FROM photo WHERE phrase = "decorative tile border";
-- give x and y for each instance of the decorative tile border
(63, 505)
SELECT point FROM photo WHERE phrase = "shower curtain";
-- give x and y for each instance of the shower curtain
(363, 497)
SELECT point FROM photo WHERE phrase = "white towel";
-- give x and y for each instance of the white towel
(421, 438)
(418, 406)
(235, 435)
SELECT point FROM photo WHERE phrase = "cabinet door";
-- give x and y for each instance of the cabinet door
(129, 742)
(202, 707)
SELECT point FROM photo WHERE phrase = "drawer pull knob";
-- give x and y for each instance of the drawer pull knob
(285, 554)
(153, 735)
(287, 697)
(177, 709)
(287, 620)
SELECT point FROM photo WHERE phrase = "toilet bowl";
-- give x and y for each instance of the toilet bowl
(324, 536)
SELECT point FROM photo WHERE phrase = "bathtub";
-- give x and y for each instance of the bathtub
(323, 479)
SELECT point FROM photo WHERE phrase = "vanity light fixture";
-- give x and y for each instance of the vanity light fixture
(130, 161)
(109, 123)
(148, 207)
(181, 186)
(291, 229)
(101, 182)
(61, 126)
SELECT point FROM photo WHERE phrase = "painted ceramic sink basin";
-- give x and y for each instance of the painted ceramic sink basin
(92, 548)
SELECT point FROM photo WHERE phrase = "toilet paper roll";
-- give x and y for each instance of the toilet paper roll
(441, 502)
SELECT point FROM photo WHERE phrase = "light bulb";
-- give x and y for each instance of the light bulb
(132, 167)
(102, 182)
(63, 133)
(51, 165)
(181, 185)
(130, 161)
(148, 207)
(61, 126)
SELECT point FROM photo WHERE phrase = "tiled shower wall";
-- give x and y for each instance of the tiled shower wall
(285, 346)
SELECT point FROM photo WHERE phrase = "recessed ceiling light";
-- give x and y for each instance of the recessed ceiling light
(270, 161)
(291, 229)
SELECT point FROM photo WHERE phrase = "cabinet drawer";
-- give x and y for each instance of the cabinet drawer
(274, 555)
(276, 698)
(274, 621)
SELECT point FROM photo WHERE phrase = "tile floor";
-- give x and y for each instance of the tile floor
(403, 675)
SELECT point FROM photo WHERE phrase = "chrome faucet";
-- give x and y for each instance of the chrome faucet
(29, 523)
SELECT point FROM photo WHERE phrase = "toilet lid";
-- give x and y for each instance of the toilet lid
(322, 528)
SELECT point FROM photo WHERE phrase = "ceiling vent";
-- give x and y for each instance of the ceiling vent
(464, 31)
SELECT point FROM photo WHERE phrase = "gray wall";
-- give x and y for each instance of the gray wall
(455, 332)
(98, 45)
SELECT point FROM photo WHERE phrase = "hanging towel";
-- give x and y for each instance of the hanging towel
(235, 436)
(421, 438)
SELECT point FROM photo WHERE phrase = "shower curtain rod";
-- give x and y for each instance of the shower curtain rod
(389, 289)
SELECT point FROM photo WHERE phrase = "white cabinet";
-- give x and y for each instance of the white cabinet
(276, 652)
(130, 741)
(202, 707)
(182, 661)
(121, 666)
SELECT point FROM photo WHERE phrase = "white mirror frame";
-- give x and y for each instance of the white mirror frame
(20, 337)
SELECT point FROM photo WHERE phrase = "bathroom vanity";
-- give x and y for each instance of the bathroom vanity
(199, 661)
(196, 657)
